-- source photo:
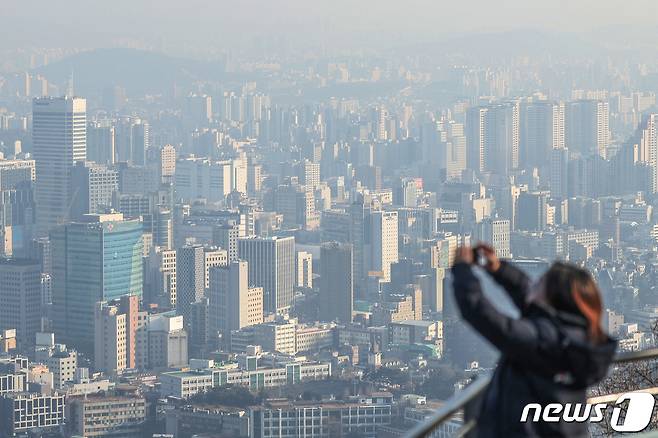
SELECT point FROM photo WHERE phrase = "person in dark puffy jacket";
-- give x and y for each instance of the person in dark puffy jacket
(550, 354)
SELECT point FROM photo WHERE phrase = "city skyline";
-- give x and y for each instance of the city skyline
(247, 218)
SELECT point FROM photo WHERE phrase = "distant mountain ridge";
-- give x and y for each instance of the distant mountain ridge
(138, 71)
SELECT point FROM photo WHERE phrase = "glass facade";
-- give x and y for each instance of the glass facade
(93, 262)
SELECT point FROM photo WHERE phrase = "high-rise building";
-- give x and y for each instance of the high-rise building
(212, 258)
(100, 142)
(132, 140)
(531, 211)
(336, 282)
(304, 269)
(96, 259)
(226, 236)
(20, 298)
(254, 179)
(492, 135)
(203, 178)
(233, 304)
(14, 172)
(167, 163)
(542, 130)
(559, 173)
(93, 188)
(161, 277)
(17, 219)
(59, 137)
(588, 127)
(297, 205)
(161, 342)
(309, 174)
(383, 242)
(271, 263)
(198, 110)
(115, 334)
(495, 232)
(190, 278)
(356, 234)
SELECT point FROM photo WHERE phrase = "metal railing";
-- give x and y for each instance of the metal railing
(468, 400)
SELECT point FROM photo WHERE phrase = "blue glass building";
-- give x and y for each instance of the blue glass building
(97, 259)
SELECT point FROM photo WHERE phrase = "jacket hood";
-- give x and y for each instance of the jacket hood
(589, 362)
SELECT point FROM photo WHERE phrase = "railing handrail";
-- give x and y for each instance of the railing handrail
(477, 387)
(452, 405)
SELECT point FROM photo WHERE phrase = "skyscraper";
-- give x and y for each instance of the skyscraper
(588, 127)
(304, 269)
(59, 137)
(492, 135)
(542, 130)
(383, 242)
(190, 278)
(336, 282)
(271, 266)
(20, 295)
(233, 304)
(93, 188)
(100, 142)
(96, 259)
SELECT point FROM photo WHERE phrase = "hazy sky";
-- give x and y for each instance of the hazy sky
(90, 23)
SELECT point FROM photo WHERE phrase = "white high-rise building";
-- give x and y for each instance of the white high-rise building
(304, 269)
(204, 178)
(59, 137)
(650, 145)
(496, 232)
(233, 304)
(272, 267)
(383, 242)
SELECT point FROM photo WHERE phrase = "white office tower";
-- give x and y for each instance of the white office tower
(495, 232)
(383, 242)
(233, 304)
(588, 127)
(649, 145)
(59, 137)
(272, 267)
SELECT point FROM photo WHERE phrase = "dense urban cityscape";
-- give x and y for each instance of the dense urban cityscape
(258, 243)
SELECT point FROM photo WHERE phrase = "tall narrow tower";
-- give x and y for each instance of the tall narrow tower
(59, 136)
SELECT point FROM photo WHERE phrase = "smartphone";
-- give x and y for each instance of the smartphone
(478, 258)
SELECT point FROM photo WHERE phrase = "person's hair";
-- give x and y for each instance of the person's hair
(572, 289)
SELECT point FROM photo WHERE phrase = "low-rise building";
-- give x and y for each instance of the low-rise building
(20, 412)
(185, 384)
(188, 421)
(106, 416)
(285, 419)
